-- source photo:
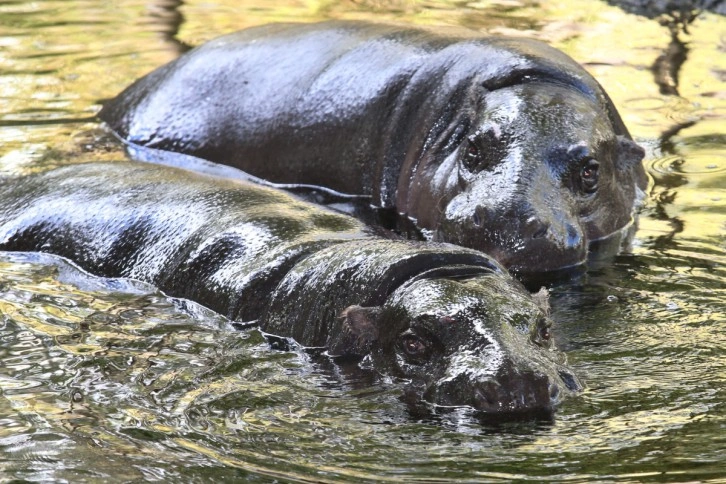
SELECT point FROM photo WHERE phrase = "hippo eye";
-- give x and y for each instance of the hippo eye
(484, 150)
(589, 174)
(472, 156)
(414, 346)
(544, 332)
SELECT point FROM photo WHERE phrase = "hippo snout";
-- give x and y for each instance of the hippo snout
(564, 234)
(563, 242)
(533, 393)
(525, 242)
(510, 391)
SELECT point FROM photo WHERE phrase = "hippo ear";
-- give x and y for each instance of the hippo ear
(358, 331)
(629, 153)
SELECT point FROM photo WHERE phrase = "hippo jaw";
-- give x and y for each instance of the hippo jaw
(535, 176)
(479, 343)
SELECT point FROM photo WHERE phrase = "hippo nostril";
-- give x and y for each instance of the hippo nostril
(486, 397)
(573, 236)
(482, 216)
(477, 219)
(541, 232)
(570, 380)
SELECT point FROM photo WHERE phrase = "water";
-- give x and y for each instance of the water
(110, 380)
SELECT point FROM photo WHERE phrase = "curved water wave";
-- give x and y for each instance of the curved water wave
(103, 380)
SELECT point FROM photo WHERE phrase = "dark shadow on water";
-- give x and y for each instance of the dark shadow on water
(676, 16)
(664, 191)
(487, 423)
(166, 17)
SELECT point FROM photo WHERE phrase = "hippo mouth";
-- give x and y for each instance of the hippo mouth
(535, 252)
(600, 252)
(533, 393)
(512, 394)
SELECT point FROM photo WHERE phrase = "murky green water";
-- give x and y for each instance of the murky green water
(108, 380)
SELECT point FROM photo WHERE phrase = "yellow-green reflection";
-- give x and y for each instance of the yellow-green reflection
(97, 384)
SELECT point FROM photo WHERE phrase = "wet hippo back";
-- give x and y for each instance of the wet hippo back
(413, 118)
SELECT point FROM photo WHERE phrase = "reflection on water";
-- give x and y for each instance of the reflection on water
(105, 378)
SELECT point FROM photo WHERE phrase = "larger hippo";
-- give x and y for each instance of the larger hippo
(500, 144)
(447, 319)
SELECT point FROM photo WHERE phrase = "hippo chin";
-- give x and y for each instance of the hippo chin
(500, 144)
(448, 320)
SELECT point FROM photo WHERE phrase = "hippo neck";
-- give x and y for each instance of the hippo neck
(360, 272)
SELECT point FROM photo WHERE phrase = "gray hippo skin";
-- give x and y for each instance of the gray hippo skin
(504, 145)
(447, 320)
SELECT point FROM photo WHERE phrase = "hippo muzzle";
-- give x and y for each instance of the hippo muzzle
(519, 238)
(509, 391)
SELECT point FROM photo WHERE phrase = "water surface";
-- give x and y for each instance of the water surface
(111, 380)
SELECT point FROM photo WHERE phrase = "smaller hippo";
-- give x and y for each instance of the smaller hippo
(500, 144)
(447, 320)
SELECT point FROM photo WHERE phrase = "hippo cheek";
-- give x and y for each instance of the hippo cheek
(611, 211)
(524, 237)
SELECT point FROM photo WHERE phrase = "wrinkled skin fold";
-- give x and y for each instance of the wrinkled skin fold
(448, 321)
(504, 145)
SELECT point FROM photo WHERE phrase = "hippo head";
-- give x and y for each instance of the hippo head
(532, 174)
(480, 342)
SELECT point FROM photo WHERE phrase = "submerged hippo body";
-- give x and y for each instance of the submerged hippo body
(503, 145)
(449, 320)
